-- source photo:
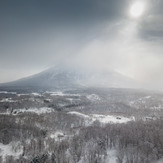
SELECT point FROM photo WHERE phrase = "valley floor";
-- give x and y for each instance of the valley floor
(81, 126)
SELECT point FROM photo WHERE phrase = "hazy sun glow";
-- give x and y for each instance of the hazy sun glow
(137, 9)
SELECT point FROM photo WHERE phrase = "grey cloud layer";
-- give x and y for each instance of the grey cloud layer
(38, 33)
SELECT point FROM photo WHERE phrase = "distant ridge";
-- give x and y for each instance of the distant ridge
(67, 77)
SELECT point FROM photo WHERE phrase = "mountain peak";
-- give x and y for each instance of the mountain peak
(70, 76)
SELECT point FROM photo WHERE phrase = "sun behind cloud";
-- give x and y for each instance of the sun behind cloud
(137, 9)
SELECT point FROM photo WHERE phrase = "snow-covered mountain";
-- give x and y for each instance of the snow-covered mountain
(70, 77)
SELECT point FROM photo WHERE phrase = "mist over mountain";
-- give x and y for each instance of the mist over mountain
(70, 77)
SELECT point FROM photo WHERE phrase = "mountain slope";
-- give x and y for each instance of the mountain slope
(59, 77)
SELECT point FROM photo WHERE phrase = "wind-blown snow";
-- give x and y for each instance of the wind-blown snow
(14, 149)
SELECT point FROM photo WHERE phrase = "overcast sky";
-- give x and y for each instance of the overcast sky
(36, 34)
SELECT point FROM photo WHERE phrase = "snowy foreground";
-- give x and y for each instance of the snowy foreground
(14, 149)
(85, 126)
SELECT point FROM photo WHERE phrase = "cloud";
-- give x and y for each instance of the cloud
(151, 26)
(126, 53)
(89, 33)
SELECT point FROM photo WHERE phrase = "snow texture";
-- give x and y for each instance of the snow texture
(7, 100)
(38, 111)
(14, 149)
(93, 97)
(102, 118)
(111, 156)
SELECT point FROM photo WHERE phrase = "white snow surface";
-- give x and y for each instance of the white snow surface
(28, 94)
(147, 97)
(36, 94)
(14, 149)
(111, 118)
(102, 118)
(93, 97)
(5, 92)
(56, 93)
(111, 156)
(21, 94)
(59, 93)
(58, 135)
(79, 114)
(38, 111)
(7, 100)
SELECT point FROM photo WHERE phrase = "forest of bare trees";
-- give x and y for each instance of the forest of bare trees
(57, 136)
(137, 142)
